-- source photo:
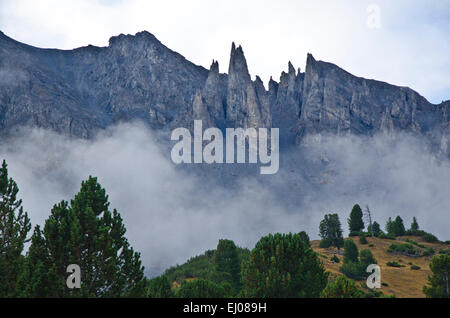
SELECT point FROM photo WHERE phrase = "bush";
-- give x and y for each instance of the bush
(430, 238)
(404, 249)
(353, 270)
(362, 239)
(342, 287)
(428, 251)
(335, 259)
(325, 243)
(415, 267)
(201, 288)
(371, 245)
(353, 233)
(415, 243)
(444, 251)
(387, 236)
(394, 264)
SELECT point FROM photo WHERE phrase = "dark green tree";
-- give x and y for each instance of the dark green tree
(366, 258)
(331, 231)
(201, 288)
(414, 225)
(390, 226)
(38, 278)
(14, 227)
(355, 222)
(375, 229)
(398, 228)
(159, 287)
(341, 287)
(88, 234)
(282, 265)
(226, 260)
(305, 238)
(438, 282)
(350, 251)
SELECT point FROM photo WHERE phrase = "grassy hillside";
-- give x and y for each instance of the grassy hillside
(401, 282)
(398, 281)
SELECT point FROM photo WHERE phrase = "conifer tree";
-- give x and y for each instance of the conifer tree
(14, 227)
(439, 281)
(226, 260)
(350, 251)
(331, 231)
(159, 287)
(88, 234)
(414, 225)
(282, 265)
(355, 222)
(398, 227)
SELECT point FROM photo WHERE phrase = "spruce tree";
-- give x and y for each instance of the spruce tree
(14, 227)
(355, 222)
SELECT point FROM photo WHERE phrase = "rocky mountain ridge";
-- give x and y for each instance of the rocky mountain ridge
(76, 92)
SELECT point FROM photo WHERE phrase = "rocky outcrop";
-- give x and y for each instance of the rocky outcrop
(79, 91)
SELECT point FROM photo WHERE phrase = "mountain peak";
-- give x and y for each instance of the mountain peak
(238, 63)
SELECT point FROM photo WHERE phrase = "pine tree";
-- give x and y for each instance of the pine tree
(355, 222)
(159, 287)
(14, 227)
(38, 277)
(341, 287)
(390, 226)
(88, 234)
(375, 229)
(350, 251)
(282, 265)
(414, 225)
(331, 231)
(439, 281)
(226, 260)
(398, 227)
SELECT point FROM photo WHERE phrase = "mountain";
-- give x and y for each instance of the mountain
(76, 92)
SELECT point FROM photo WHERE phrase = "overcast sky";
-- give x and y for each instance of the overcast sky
(409, 46)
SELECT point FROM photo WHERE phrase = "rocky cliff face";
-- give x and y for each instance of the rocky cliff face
(79, 91)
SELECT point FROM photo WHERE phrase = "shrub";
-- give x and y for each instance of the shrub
(415, 267)
(335, 259)
(428, 251)
(362, 239)
(415, 243)
(430, 238)
(201, 288)
(342, 287)
(404, 249)
(394, 264)
(371, 245)
(353, 270)
(325, 243)
(387, 236)
(353, 233)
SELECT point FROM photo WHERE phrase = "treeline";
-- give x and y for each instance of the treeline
(87, 232)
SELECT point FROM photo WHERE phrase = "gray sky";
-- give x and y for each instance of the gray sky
(409, 47)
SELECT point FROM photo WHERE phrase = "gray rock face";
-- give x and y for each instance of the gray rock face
(79, 91)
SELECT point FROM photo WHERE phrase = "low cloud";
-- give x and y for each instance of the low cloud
(172, 214)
